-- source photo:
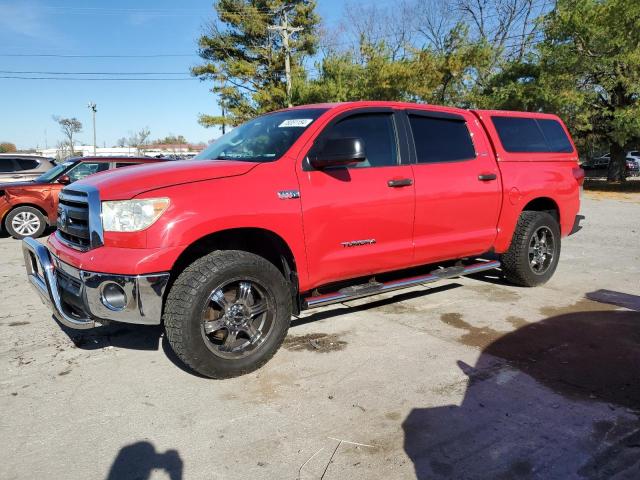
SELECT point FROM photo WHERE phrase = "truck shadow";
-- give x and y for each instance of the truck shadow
(559, 398)
(129, 336)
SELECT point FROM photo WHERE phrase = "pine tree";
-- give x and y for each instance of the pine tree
(245, 59)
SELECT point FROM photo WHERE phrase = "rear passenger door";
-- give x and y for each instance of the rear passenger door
(457, 185)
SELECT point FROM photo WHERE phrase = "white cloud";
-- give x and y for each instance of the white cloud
(23, 18)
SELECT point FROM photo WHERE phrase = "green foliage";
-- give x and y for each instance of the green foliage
(7, 147)
(444, 76)
(587, 70)
(245, 59)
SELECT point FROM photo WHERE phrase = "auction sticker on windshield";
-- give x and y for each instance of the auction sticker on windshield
(296, 122)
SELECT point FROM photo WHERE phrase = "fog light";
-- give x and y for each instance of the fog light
(113, 296)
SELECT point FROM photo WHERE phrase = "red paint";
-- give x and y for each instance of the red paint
(447, 213)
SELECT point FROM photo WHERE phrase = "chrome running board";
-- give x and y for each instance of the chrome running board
(374, 288)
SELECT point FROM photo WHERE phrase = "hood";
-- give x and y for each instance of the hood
(127, 182)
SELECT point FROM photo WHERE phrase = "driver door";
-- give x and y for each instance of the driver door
(358, 219)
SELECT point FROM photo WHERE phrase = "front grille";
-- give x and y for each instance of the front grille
(73, 219)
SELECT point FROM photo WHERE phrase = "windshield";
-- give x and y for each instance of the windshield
(50, 175)
(263, 139)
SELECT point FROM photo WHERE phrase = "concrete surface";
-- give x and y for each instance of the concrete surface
(470, 379)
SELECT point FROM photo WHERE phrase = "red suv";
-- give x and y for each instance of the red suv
(26, 208)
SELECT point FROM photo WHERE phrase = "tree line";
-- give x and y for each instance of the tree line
(579, 59)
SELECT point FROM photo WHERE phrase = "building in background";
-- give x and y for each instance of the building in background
(184, 150)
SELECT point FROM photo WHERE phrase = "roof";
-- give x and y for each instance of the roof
(122, 159)
(377, 103)
(24, 155)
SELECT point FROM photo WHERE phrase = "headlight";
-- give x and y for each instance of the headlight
(132, 215)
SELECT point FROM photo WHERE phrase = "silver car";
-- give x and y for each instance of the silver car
(22, 168)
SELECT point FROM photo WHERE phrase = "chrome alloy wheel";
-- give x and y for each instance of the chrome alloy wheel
(237, 318)
(25, 223)
(541, 250)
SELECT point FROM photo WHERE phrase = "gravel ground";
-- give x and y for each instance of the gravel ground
(468, 379)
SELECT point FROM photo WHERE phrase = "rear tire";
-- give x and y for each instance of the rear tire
(534, 252)
(227, 313)
(23, 222)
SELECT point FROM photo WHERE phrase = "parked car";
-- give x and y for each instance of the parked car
(635, 156)
(19, 168)
(307, 207)
(27, 208)
(599, 166)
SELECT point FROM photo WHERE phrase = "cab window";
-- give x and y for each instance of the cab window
(378, 133)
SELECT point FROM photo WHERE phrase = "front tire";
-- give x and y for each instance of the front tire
(534, 252)
(23, 222)
(227, 313)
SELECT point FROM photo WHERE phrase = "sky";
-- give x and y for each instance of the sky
(94, 27)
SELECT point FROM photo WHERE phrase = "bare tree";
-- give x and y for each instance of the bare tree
(69, 127)
(433, 21)
(507, 25)
(122, 142)
(139, 139)
(370, 23)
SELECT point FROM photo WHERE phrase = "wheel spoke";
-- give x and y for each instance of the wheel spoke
(258, 308)
(253, 333)
(229, 341)
(219, 298)
(244, 292)
(213, 325)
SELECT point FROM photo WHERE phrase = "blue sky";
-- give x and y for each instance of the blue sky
(94, 27)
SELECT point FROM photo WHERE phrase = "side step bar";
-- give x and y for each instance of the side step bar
(373, 288)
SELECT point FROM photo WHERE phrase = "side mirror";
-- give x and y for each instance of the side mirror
(339, 152)
(64, 179)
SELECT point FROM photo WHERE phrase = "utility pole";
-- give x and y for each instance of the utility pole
(93, 107)
(285, 31)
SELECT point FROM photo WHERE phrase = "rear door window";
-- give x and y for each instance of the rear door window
(125, 164)
(441, 139)
(531, 135)
(6, 165)
(27, 164)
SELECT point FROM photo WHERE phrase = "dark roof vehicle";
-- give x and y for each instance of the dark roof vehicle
(599, 167)
(18, 168)
(26, 208)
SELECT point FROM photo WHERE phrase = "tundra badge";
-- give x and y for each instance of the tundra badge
(288, 194)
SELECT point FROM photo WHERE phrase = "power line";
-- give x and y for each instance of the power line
(155, 55)
(13, 72)
(17, 77)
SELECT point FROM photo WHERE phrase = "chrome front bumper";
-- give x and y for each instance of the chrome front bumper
(77, 297)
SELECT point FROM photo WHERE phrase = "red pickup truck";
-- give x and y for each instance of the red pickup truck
(305, 207)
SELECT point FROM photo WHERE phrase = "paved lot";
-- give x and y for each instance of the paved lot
(471, 379)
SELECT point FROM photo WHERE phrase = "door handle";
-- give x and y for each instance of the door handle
(400, 182)
(486, 177)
